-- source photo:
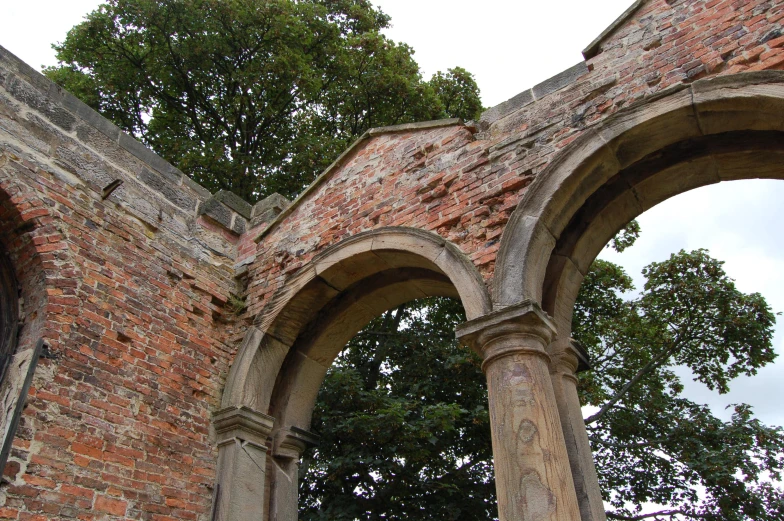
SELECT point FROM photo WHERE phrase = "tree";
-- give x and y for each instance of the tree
(650, 443)
(404, 424)
(249, 96)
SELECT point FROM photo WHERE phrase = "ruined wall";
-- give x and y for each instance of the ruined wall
(125, 266)
(463, 182)
(127, 290)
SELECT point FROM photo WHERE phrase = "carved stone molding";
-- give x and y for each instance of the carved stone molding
(290, 443)
(570, 360)
(497, 334)
(242, 423)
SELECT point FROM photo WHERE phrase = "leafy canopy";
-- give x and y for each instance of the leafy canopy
(405, 431)
(404, 425)
(651, 444)
(253, 97)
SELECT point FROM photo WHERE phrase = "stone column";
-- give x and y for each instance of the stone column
(567, 361)
(243, 436)
(287, 450)
(533, 477)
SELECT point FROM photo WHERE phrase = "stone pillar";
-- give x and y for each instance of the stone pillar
(567, 361)
(287, 450)
(243, 436)
(533, 477)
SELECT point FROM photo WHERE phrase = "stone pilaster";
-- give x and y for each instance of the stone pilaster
(288, 447)
(533, 477)
(243, 437)
(567, 361)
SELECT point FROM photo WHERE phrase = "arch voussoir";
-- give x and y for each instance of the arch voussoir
(283, 360)
(631, 162)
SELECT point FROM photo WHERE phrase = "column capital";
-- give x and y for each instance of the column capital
(570, 359)
(526, 319)
(242, 423)
(292, 442)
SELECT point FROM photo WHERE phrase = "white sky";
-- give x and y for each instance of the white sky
(511, 45)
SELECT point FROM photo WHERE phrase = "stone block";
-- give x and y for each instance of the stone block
(217, 211)
(235, 202)
(163, 185)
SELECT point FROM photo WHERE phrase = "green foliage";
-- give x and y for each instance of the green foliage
(626, 237)
(650, 443)
(236, 304)
(405, 430)
(404, 426)
(457, 93)
(253, 97)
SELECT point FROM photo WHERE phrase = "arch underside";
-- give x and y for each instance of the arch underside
(320, 342)
(675, 169)
(715, 130)
(284, 358)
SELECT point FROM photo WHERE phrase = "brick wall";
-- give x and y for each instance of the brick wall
(463, 182)
(128, 291)
(128, 288)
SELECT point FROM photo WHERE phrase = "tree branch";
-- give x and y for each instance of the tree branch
(647, 368)
(656, 515)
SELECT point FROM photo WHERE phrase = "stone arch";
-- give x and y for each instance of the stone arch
(713, 130)
(284, 358)
(28, 240)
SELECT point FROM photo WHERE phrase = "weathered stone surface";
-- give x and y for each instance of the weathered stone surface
(139, 293)
(567, 359)
(235, 202)
(163, 186)
(288, 447)
(243, 437)
(217, 211)
(560, 80)
(530, 456)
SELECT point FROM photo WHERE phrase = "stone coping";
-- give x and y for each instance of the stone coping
(537, 92)
(64, 109)
(594, 47)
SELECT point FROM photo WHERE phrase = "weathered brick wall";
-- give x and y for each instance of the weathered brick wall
(464, 182)
(128, 287)
(406, 178)
(128, 293)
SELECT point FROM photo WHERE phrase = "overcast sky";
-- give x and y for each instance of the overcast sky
(511, 45)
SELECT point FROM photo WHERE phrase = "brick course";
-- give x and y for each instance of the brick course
(130, 291)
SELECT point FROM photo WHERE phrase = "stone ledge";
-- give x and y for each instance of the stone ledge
(525, 313)
(61, 106)
(243, 423)
(292, 442)
(268, 209)
(535, 93)
(223, 215)
(594, 47)
(235, 202)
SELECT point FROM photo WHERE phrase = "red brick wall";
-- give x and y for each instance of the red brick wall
(117, 421)
(464, 184)
(129, 291)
